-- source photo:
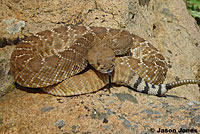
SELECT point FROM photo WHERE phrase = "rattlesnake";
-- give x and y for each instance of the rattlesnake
(51, 59)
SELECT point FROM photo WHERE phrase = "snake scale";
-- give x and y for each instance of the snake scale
(56, 60)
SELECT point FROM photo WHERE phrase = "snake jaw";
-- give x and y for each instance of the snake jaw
(106, 68)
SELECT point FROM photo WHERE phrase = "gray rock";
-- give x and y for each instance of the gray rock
(59, 123)
(125, 96)
(14, 28)
(45, 109)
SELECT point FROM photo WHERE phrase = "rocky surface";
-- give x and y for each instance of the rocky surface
(6, 79)
(164, 23)
(122, 111)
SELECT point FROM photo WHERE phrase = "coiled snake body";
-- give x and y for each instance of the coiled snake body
(51, 59)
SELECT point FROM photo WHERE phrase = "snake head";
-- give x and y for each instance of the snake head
(105, 65)
(102, 59)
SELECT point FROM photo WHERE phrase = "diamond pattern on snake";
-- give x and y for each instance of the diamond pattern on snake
(56, 61)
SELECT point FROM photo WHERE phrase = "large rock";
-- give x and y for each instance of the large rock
(120, 112)
(164, 23)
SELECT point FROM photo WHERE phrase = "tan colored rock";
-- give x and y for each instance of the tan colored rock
(122, 111)
(175, 33)
(6, 79)
(164, 23)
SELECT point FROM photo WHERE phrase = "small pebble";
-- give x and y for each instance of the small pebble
(196, 119)
(147, 111)
(107, 127)
(105, 120)
(156, 112)
(60, 123)
(134, 126)
(45, 109)
(170, 124)
(164, 104)
(150, 104)
(191, 103)
(126, 123)
(74, 129)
